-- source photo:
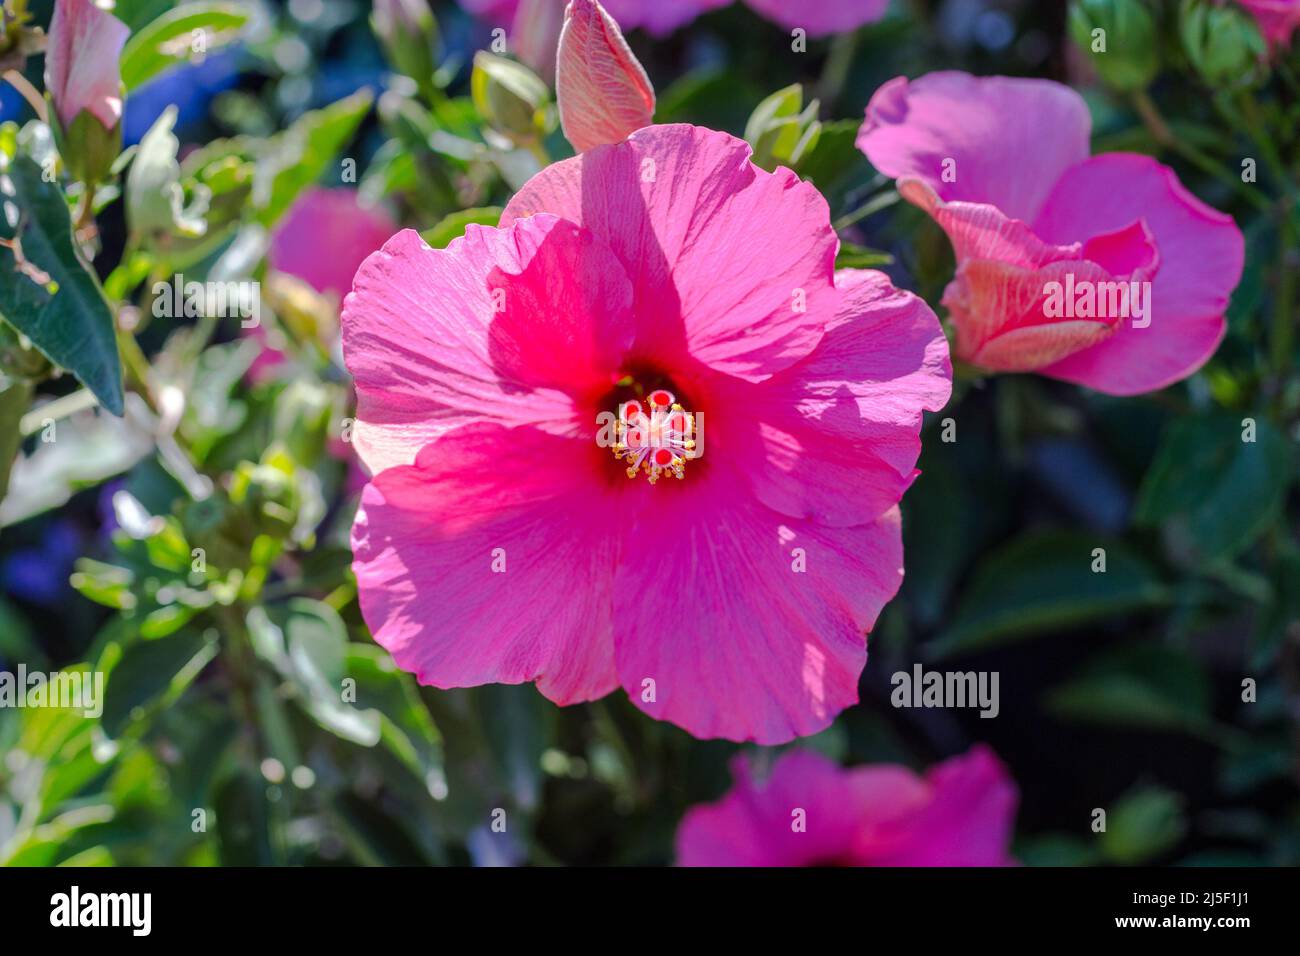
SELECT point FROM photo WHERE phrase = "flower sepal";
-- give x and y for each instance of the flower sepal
(89, 150)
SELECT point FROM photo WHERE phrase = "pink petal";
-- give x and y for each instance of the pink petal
(429, 351)
(1277, 19)
(326, 236)
(1201, 256)
(960, 813)
(848, 416)
(494, 11)
(754, 824)
(687, 213)
(81, 62)
(823, 17)
(427, 539)
(602, 90)
(967, 819)
(659, 17)
(740, 643)
(1009, 139)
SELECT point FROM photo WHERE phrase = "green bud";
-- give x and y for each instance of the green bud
(1223, 44)
(1120, 38)
(409, 35)
(510, 97)
(781, 131)
(88, 149)
(267, 493)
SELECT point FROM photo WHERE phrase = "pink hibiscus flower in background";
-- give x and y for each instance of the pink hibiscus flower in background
(1003, 166)
(321, 240)
(499, 542)
(662, 17)
(1277, 19)
(811, 812)
(325, 236)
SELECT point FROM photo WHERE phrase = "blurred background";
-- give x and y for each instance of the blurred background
(1121, 690)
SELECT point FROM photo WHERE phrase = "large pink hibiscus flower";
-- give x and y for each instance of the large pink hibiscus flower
(1002, 165)
(500, 542)
(810, 812)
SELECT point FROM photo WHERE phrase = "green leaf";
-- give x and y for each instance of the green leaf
(157, 206)
(517, 724)
(13, 404)
(453, 226)
(1148, 686)
(306, 642)
(1143, 825)
(1214, 492)
(243, 826)
(89, 447)
(375, 837)
(852, 256)
(48, 294)
(834, 156)
(169, 39)
(1043, 582)
(150, 671)
(17, 639)
(300, 155)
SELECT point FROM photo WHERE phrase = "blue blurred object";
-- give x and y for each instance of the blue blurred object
(39, 574)
(190, 87)
(1082, 482)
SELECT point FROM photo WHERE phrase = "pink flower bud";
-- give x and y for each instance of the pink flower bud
(602, 90)
(81, 62)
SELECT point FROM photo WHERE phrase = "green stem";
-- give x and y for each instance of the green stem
(1257, 131)
(835, 72)
(1281, 342)
(1165, 136)
(29, 93)
(872, 206)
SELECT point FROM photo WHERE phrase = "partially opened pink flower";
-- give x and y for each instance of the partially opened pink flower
(811, 812)
(81, 62)
(653, 309)
(602, 91)
(1277, 19)
(1103, 271)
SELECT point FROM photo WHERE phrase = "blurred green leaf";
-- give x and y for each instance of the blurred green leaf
(453, 226)
(306, 642)
(517, 721)
(1144, 685)
(171, 39)
(13, 404)
(150, 671)
(299, 156)
(242, 824)
(1143, 825)
(375, 837)
(1213, 490)
(1044, 581)
(88, 447)
(46, 291)
(851, 256)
